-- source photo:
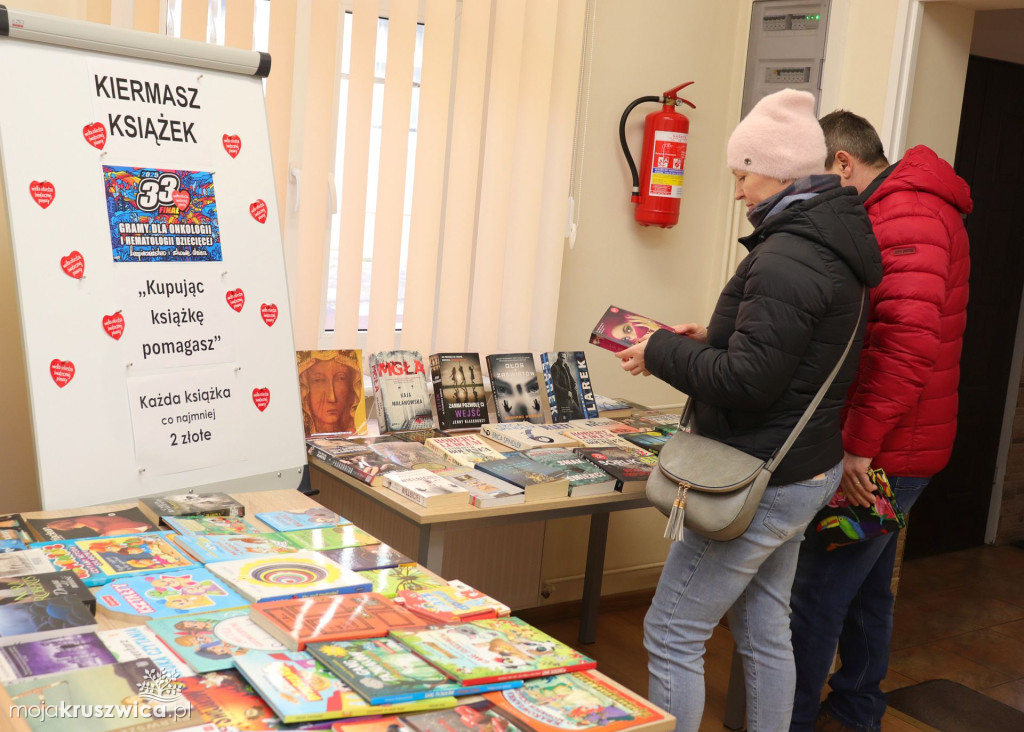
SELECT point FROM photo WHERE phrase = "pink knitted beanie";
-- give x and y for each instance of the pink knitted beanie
(780, 138)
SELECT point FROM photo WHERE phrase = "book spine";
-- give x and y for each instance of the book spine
(378, 402)
(410, 494)
(435, 380)
(504, 438)
(586, 391)
(607, 343)
(549, 386)
(343, 467)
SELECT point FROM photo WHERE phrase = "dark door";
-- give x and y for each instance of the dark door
(953, 511)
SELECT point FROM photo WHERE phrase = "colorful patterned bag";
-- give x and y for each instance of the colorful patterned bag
(841, 523)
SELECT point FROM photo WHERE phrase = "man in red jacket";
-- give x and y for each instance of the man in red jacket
(900, 415)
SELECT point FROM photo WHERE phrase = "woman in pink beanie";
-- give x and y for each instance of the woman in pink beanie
(780, 326)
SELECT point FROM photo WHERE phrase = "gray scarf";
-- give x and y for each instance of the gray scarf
(798, 190)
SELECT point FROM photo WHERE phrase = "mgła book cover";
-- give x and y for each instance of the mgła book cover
(458, 390)
(516, 387)
(401, 392)
(567, 379)
(331, 392)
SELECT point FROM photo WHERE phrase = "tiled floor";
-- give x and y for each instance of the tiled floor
(959, 616)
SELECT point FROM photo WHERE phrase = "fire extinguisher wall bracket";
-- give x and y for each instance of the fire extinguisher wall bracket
(657, 187)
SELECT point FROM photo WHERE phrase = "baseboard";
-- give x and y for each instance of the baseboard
(573, 608)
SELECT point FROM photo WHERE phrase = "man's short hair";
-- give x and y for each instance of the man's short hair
(847, 131)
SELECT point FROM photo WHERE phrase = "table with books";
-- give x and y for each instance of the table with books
(254, 609)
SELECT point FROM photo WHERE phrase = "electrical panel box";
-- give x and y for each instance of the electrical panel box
(786, 48)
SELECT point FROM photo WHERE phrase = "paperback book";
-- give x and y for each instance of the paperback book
(651, 441)
(98, 561)
(28, 661)
(334, 537)
(535, 478)
(619, 329)
(472, 716)
(335, 446)
(419, 436)
(401, 392)
(226, 700)
(169, 594)
(139, 641)
(567, 379)
(368, 468)
(22, 622)
(291, 575)
(211, 525)
(458, 390)
(383, 671)
(221, 548)
(615, 406)
(629, 471)
(453, 603)
(515, 387)
(331, 391)
(114, 523)
(463, 449)
(389, 582)
(43, 586)
(317, 517)
(412, 456)
(603, 423)
(327, 618)
(585, 478)
(14, 533)
(213, 641)
(604, 438)
(525, 436)
(486, 490)
(190, 504)
(28, 561)
(499, 649)
(427, 489)
(368, 556)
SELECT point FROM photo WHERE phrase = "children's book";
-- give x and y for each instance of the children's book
(334, 537)
(220, 525)
(85, 526)
(486, 490)
(212, 641)
(389, 582)
(331, 392)
(463, 449)
(190, 504)
(227, 701)
(14, 533)
(312, 518)
(477, 715)
(299, 688)
(123, 683)
(32, 587)
(401, 392)
(169, 594)
(331, 618)
(603, 423)
(139, 641)
(368, 468)
(419, 436)
(567, 379)
(290, 575)
(585, 478)
(412, 455)
(576, 701)
(27, 661)
(22, 622)
(368, 556)
(515, 387)
(221, 548)
(629, 471)
(374, 724)
(536, 479)
(98, 561)
(619, 329)
(458, 390)
(383, 671)
(651, 441)
(26, 561)
(453, 603)
(499, 649)
(525, 436)
(427, 489)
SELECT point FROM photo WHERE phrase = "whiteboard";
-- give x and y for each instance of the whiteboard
(170, 364)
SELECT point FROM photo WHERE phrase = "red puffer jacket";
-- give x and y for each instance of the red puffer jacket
(901, 409)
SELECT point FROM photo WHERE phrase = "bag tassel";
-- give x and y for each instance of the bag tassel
(674, 528)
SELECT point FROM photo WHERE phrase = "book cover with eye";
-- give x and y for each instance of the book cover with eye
(619, 329)
(516, 387)
(567, 379)
(401, 393)
(458, 390)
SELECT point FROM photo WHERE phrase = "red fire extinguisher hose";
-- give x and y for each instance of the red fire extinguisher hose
(635, 196)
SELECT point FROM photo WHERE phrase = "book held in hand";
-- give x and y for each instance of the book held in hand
(515, 387)
(618, 329)
(458, 390)
(567, 379)
(427, 489)
(401, 392)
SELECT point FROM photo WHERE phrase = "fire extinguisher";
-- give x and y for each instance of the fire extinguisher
(658, 187)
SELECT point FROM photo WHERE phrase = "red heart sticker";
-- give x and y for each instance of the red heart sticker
(233, 144)
(236, 299)
(181, 199)
(95, 134)
(269, 313)
(43, 192)
(114, 325)
(63, 372)
(261, 398)
(258, 209)
(73, 265)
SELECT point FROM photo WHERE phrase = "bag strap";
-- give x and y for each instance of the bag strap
(684, 420)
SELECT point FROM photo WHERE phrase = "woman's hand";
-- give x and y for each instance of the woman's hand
(633, 359)
(693, 331)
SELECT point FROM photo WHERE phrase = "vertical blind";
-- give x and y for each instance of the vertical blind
(486, 189)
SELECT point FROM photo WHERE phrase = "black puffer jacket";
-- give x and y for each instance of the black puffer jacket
(779, 327)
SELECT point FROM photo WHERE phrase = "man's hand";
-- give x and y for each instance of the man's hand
(633, 359)
(693, 331)
(856, 484)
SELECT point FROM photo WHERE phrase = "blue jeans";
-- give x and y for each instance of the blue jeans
(751, 574)
(843, 597)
